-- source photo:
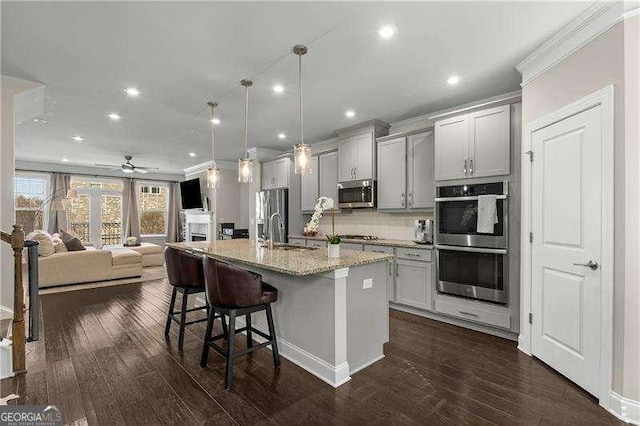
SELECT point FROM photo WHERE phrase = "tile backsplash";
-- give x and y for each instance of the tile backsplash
(396, 226)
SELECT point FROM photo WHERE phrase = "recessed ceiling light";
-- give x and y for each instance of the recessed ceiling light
(282, 136)
(77, 138)
(454, 79)
(215, 121)
(64, 160)
(132, 91)
(350, 113)
(387, 31)
(277, 88)
(113, 116)
(192, 154)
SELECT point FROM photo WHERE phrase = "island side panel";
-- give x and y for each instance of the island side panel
(367, 315)
(307, 324)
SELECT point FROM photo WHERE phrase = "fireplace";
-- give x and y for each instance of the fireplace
(199, 226)
(198, 237)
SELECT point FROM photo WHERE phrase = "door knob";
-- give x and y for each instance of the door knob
(592, 264)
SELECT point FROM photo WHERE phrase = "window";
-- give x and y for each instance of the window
(30, 193)
(153, 202)
(96, 215)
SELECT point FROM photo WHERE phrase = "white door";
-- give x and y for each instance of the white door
(392, 174)
(566, 225)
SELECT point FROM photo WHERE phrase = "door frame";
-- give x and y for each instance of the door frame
(605, 98)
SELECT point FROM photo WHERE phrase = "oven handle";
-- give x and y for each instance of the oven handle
(472, 249)
(440, 199)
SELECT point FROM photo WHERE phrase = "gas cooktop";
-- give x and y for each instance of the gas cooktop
(359, 237)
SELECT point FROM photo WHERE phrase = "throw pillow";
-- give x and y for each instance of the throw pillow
(72, 243)
(45, 242)
(59, 245)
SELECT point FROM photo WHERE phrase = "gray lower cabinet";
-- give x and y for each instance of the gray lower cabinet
(391, 291)
(413, 283)
(298, 241)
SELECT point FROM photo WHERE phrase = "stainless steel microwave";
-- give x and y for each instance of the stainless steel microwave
(357, 194)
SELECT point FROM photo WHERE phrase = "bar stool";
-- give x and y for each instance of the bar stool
(235, 292)
(186, 276)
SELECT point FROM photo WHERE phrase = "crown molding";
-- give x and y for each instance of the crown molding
(203, 167)
(593, 22)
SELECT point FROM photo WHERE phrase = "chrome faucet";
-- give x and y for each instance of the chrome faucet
(270, 229)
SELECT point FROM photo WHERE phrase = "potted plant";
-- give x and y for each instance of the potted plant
(334, 239)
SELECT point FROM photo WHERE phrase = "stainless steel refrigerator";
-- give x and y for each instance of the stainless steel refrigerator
(267, 203)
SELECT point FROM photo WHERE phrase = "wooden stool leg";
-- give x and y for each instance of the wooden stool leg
(207, 338)
(249, 336)
(171, 308)
(228, 381)
(272, 333)
(183, 319)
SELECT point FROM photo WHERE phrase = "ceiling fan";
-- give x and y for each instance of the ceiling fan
(126, 167)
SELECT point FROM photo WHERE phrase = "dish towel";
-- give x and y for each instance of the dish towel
(487, 213)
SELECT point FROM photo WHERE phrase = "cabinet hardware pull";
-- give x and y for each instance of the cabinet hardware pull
(402, 199)
(471, 167)
(468, 313)
(410, 199)
(465, 166)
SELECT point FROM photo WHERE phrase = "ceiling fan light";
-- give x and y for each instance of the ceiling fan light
(245, 170)
(213, 178)
(302, 159)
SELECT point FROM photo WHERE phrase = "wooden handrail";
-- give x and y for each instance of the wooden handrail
(16, 239)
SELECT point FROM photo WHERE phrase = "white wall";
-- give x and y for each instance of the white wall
(24, 106)
(594, 66)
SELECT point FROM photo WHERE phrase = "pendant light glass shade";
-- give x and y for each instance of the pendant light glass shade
(302, 159)
(213, 178)
(301, 151)
(213, 174)
(245, 170)
(245, 165)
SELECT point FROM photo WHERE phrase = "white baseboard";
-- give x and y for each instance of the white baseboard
(330, 374)
(523, 345)
(625, 409)
(5, 312)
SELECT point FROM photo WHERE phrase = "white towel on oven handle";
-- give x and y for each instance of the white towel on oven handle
(487, 213)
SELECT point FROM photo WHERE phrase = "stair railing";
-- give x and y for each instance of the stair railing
(16, 239)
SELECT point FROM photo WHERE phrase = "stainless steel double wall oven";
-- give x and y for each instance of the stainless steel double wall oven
(470, 263)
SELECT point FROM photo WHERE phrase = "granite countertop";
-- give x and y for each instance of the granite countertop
(297, 261)
(379, 242)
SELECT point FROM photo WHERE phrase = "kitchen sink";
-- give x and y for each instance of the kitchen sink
(292, 247)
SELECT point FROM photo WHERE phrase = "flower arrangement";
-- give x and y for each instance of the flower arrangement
(322, 204)
(132, 241)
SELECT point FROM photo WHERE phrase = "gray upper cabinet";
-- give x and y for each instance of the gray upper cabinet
(275, 173)
(420, 171)
(473, 145)
(310, 187)
(357, 150)
(452, 148)
(490, 140)
(392, 174)
(328, 168)
(356, 158)
(406, 172)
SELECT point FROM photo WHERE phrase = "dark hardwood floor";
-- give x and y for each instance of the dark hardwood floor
(103, 358)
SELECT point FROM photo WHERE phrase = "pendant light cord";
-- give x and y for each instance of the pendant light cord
(246, 122)
(300, 105)
(213, 137)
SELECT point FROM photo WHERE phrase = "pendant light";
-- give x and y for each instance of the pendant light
(245, 166)
(301, 151)
(213, 174)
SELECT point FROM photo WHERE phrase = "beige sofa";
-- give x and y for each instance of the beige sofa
(74, 267)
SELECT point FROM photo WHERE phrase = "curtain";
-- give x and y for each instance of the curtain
(130, 219)
(58, 219)
(174, 224)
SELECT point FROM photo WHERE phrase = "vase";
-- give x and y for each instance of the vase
(334, 250)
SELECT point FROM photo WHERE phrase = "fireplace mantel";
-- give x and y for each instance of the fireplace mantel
(199, 225)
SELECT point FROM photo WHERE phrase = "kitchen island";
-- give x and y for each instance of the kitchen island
(331, 316)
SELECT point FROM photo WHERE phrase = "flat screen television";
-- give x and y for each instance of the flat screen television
(190, 194)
